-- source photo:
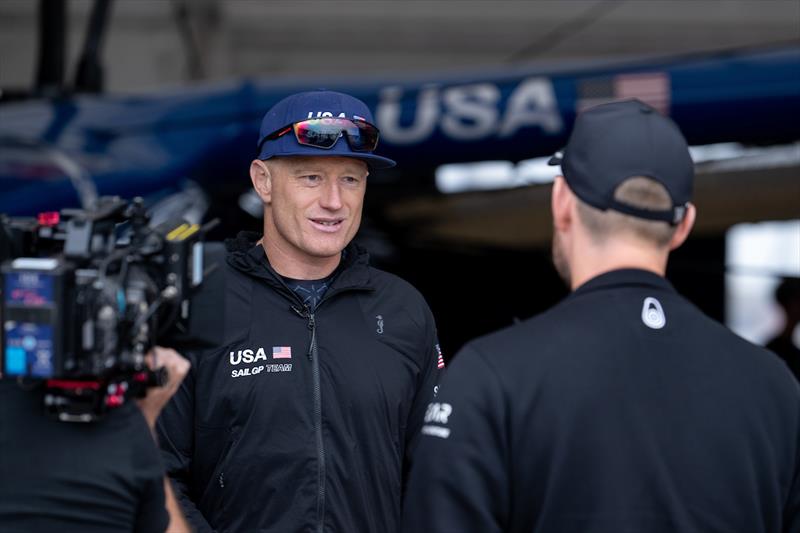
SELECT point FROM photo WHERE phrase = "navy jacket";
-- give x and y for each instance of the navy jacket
(302, 419)
(622, 409)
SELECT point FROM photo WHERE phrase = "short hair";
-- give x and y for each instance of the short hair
(638, 191)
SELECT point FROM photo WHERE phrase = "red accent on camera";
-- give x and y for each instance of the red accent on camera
(68, 384)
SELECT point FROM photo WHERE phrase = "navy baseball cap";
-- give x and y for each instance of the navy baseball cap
(613, 142)
(314, 104)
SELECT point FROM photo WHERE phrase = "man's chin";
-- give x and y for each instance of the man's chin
(327, 250)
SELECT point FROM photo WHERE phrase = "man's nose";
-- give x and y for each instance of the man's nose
(331, 197)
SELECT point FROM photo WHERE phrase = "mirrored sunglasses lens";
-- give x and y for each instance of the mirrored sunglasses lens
(324, 132)
(318, 132)
(365, 138)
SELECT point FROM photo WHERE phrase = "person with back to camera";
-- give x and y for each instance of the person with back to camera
(622, 408)
(102, 476)
(302, 420)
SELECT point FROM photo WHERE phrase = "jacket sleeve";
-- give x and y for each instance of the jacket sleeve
(175, 429)
(459, 479)
(432, 365)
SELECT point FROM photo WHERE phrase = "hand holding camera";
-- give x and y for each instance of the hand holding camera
(175, 367)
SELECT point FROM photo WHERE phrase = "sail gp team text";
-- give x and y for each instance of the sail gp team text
(252, 356)
(285, 367)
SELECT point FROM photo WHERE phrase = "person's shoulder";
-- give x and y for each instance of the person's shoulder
(127, 419)
(752, 362)
(129, 427)
(759, 358)
(382, 278)
(711, 331)
(776, 376)
(387, 284)
(514, 345)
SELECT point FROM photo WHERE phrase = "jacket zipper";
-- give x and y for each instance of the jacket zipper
(313, 355)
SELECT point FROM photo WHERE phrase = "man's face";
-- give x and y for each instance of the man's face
(315, 204)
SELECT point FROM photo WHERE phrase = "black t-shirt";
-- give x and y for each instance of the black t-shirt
(56, 476)
(621, 409)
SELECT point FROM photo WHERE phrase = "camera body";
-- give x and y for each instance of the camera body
(87, 293)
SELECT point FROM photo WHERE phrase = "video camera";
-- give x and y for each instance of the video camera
(85, 295)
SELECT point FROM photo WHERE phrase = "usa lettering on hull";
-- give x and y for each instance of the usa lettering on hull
(470, 112)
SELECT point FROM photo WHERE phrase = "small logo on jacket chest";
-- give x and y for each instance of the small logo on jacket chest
(249, 356)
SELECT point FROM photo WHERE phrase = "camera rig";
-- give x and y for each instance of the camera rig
(85, 295)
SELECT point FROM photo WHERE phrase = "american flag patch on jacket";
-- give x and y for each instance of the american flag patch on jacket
(281, 352)
(439, 358)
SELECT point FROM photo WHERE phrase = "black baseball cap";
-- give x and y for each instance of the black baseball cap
(616, 141)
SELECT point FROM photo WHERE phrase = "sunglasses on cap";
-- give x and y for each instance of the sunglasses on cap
(325, 132)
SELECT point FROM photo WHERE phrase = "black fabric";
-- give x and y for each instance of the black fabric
(788, 352)
(587, 419)
(241, 445)
(310, 291)
(106, 476)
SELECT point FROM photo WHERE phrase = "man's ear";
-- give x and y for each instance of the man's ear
(684, 227)
(261, 178)
(561, 203)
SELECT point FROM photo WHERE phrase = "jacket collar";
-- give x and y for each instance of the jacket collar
(626, 277)
(249, 258)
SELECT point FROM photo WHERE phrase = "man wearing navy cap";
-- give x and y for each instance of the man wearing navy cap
(303, 419)
(623, 408)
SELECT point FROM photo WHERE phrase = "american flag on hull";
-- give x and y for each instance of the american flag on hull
(281, 352)
(652, 88)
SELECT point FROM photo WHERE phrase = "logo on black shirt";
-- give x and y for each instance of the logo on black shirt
(653, 314)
